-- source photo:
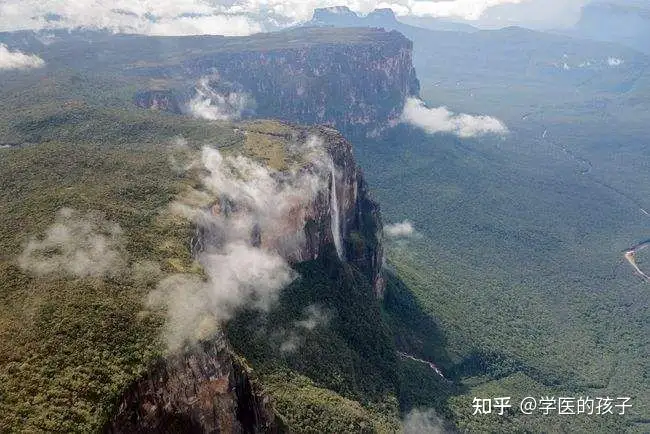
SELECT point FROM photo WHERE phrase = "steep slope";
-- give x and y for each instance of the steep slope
(203, 390)
(342, 16)
(107, 333)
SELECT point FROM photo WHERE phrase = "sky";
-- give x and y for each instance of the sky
(243, 17)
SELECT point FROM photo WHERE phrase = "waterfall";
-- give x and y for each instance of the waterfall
(335, 216)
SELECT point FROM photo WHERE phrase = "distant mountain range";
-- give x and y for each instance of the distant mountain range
(342, 16)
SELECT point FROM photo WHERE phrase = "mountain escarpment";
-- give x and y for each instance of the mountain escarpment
(208, 387)
(355, 80)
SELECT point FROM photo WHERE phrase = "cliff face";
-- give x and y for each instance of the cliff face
(356, 87)
(342, 215)
(205, 389)
(357, 84)
(626, 24)
(346, 86)
(201, 391)
(350, 214)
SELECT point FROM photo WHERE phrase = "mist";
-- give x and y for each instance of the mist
(18, 60)
(77, 245)
(424, 422)
(212, 105)
(250, 219)
(399, 230)
(291, 340)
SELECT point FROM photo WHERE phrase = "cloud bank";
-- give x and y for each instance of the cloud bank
(249, 219)
(212, 105)
(78, 245)
(181, 17)
(235, 17)
(399, 230)
(18, 60)
(441, 120)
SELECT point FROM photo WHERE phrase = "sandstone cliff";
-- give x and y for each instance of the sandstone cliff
(355, 80)
(202, 391)
(206, 389)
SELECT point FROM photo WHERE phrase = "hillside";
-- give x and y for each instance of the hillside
(172, 259)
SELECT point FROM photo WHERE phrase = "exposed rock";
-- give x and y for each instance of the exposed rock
(205, 390)
(360, 217)
(357, 84)
(202, 391)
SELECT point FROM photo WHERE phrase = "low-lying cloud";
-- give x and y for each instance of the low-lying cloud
(78, 245)
(313, 317)
(441, 120)
(240, 275)
(212, 105)
(249, 220)
(424, 422)
(399, 230)
(18, 60)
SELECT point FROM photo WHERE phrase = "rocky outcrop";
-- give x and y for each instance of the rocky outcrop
(342, 216)
(626, 24)
(201, 391)
(342, 16)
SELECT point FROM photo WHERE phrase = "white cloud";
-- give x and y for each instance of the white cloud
(17, 60)
(466, 9)
(211, 105)
(224, 17)
(314, 316)
(166, 17)
(441, 120)
(614, 61)
(227, 25)
(239, 275)
(396, 230)
(423, 422)
(251, 222)
(80, 245)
